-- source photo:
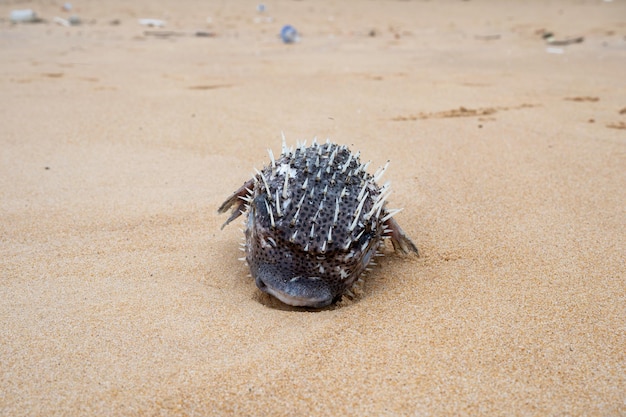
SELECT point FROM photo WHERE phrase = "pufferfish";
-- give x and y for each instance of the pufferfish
(316, 219)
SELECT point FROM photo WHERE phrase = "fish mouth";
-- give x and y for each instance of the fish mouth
(297, 291)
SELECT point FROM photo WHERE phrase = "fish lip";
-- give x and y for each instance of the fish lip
(298, 301)
(291, 299)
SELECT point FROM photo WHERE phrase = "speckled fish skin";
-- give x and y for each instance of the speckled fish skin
(316, 218)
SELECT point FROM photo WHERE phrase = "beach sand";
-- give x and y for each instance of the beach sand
(120, 295)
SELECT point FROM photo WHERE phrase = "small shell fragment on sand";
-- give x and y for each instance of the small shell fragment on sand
(23, 16)
(553, 50)
(157, 23)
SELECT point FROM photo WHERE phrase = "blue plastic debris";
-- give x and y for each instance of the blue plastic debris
(289, 34)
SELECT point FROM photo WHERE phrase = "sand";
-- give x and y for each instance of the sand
(120, 295)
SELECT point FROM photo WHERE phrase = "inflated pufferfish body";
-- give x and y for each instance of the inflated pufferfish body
(316, 219)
